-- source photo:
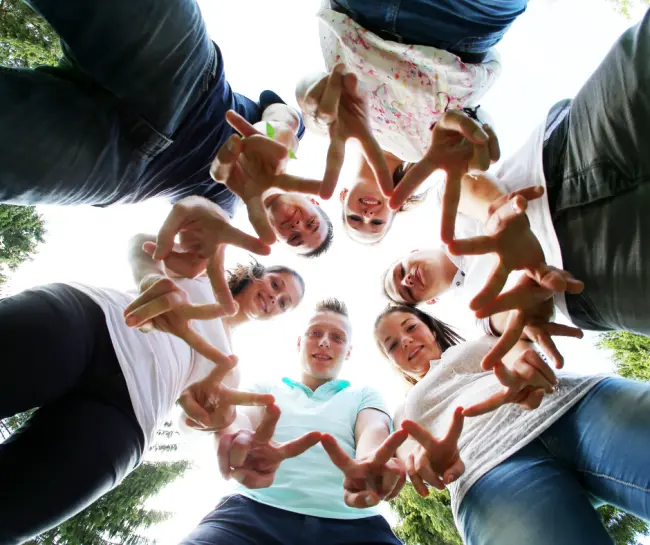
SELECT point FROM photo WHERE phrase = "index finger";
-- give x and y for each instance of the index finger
(297, 184)
(232, 235)
(259, 220)
(458, 121)
(217, 276)
(250, 399)
(171, 226)
(511, 334)
(334, 162)
(456, 426)
(449, 209)
(296, 447)
(266, 428)
(338, 456)
(204, 348)
(420, 434)
(387, 449)
(241, 125)
(376, 159)
(419, 172)
(490, 404)
(225, 159)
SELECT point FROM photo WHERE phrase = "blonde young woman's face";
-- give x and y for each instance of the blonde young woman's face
(271, 295)
(366, 213)
(408, 343)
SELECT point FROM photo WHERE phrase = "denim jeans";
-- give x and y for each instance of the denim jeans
(597, 168)
(547, 492)
(136, 108)
(238, 520)
(460, 26)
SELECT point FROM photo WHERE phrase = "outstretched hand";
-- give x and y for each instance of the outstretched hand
(458, 144)
(209, 405)
(252, 458)
(335, 104)
(379, 476)
(530, 308)
(204, 230)
(165, 306)
(525, 382)
(251, 166)
(435, 461)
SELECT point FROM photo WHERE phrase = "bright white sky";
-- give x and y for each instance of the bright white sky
(548, 53)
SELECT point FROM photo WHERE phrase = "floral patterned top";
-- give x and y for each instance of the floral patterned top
(409, 86)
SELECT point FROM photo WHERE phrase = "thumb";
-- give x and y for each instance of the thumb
(149, 247)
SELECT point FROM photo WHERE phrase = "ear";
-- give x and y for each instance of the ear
(298, 344)
(432, 301)
(347, 356)
(343, 194)
(314, 202)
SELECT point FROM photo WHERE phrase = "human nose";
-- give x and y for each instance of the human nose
(406, 341)
(409, 280)
(366, 212)
(325, 342)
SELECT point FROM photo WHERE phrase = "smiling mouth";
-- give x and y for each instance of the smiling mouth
(262, 303)
(369, 201)
(321, 357)
(415, 352)
(418, 275)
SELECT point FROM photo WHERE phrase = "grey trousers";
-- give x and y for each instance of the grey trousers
(597, 167)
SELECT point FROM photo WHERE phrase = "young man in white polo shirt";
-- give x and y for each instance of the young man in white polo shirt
(308, 499)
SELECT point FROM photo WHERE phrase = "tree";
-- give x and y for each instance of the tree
(631, 353)
(623, 527)
(26, 40)
(119, 516)
(624, 6)
(425, 521)
(21, 229)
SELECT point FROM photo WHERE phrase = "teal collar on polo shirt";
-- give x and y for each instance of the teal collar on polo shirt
(327, 390)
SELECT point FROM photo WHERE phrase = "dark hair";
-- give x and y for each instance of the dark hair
(445, 335)
(332, 304)
(241, 275)
(327, 242)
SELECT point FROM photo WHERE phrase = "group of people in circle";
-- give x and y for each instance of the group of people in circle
(140, 107)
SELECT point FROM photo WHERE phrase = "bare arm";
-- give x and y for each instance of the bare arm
(142, 264)
(370, 431)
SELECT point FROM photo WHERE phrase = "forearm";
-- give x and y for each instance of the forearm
(478, 191)
(142, 264)
(371, 437)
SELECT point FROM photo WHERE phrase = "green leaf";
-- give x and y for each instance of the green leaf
(270, 131)
(292, 155)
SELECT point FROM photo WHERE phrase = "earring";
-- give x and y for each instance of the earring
(343, 194)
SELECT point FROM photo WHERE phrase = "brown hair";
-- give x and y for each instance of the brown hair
(445, 335)
(241, 275)
(332, 304)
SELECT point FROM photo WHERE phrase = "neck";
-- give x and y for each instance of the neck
(366, 173)
(312, 382)
(449, 270)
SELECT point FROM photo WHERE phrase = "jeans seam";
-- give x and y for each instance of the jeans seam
(392, 13)
(619, 481)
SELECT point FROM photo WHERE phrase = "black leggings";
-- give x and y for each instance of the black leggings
(84, 439)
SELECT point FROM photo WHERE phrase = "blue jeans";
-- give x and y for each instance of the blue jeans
(134, 110)
(459, 26)
(239, 520)
(546, 492)
(597, 168)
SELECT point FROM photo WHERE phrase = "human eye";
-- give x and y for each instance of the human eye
(402, 271)
(314, 333)
(354, 218)
(391, 347)
(283, 304)
(274, 285)
(377, 222)
(411, 327)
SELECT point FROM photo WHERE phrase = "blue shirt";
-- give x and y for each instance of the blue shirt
(183, 169)
(311, 484)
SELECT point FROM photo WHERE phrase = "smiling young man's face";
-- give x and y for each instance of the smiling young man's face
(325, 345)
(296, 221)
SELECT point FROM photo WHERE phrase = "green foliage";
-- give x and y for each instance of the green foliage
(21, 229)
(119, 516)
(26, 40)
(624, 6)
(425, 521)
(623, 527)
(631, 353)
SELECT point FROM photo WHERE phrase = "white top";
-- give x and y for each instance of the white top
(457, 380)
(157, 366)
(523, 169)
(409, 86)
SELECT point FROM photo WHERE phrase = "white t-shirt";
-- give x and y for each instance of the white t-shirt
(458, 380)
(409, 86)
(157, 366)
(522, 169)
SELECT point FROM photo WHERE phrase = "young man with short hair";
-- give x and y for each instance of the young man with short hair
(290, 491)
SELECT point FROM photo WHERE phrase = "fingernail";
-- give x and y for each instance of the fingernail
(450, 479)
(368, 500)
(479, 134)
(130, 320)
